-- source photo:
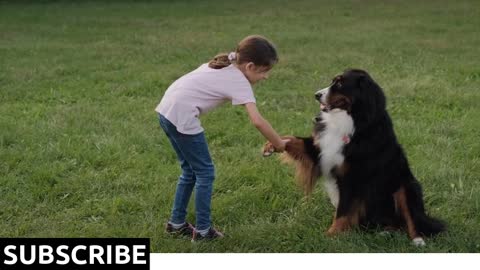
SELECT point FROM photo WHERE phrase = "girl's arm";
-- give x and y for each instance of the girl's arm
(264, 127)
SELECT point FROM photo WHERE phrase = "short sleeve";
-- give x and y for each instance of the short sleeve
(243, 95)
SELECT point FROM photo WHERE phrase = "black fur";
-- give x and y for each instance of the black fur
(311, 151)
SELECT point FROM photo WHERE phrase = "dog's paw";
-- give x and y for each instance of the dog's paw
(332, 231)
(418, 242)
(339, 225)
(268, 149)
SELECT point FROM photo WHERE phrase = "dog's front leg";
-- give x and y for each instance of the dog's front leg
(347, 213)
(339, 225)
(269, 149)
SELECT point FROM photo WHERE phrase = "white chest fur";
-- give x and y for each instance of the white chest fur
(338, 124)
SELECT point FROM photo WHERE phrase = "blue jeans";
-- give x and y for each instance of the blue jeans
(197, 171)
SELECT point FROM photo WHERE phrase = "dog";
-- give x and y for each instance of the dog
(367, 175)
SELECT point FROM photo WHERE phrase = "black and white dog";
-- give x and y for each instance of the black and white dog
(367, 175)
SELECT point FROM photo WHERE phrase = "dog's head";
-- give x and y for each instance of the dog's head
(357, 93)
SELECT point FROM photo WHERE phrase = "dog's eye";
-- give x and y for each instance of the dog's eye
(337, 81)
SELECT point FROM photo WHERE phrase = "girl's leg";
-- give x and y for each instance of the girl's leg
(185, 185)
(195, 151)
(186, 181)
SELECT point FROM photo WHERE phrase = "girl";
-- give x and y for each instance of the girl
(225, 78)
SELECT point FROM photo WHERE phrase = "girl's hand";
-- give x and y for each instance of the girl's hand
(282, 147)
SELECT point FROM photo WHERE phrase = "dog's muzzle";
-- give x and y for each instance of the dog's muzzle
(320, 96)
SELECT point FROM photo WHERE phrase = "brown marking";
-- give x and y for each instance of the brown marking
(295, 147)
(357, 213)
(340, 171)
(336, 100)
(401, 204)
(338, 80)
(339, 225)
(352, 219)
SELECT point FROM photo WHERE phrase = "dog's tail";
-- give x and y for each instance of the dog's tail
(304, 155)
(424, 224)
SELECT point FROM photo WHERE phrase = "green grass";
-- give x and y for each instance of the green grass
(82, 154)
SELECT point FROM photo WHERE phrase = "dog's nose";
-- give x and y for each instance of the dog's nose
(318, 96)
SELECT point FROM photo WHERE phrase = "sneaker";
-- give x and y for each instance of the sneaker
(187, 229)
(211, 235)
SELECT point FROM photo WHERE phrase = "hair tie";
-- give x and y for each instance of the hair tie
(232, 56)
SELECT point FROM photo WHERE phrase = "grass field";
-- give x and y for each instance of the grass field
(82, 154)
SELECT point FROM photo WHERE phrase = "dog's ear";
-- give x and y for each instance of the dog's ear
(372, 91)
(370, 101)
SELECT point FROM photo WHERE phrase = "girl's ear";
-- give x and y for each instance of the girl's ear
(250, 66)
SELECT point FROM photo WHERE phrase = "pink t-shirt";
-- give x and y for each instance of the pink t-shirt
(200, 91)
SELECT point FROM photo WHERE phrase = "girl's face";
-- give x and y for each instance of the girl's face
(255, 73)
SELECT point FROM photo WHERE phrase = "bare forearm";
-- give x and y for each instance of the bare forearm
(264, 127)
(269, 133)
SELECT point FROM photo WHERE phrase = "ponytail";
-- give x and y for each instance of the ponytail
(219, 61)
(255, 48)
